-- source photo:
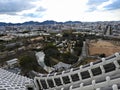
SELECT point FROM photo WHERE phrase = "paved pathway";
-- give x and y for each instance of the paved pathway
(40, 58)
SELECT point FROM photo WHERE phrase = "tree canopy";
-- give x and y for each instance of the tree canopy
(69, 58)
(28, 62)
(50, 51)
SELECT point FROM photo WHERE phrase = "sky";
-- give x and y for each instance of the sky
(18, 11)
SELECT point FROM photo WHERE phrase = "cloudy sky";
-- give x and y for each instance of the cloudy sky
(60, 10)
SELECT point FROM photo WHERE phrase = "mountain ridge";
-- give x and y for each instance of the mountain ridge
(38, 23)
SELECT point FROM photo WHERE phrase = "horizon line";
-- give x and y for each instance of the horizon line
(61, 21)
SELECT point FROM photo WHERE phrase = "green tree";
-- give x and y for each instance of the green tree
(79, 43)
(47, 61)
(69, 58)
(77, 50)
(28, 62)
(51, 51)
(2, 47)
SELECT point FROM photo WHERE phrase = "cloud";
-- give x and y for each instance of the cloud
(113, 6)
(13, 6)
(96, 2)
(93, 4)
(38, 12)
(91, 9)
(30, 15)
(33, 15)
(41, 9)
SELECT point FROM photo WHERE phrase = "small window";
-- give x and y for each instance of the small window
(109, 67)
(38, 84)
(66, 79)
(58, 81)
(96, 71)
(50, 83)
(44, 85)
(30, 88)
(85, 75)
(75, 77)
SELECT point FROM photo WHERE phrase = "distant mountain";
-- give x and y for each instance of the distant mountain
(72, 22)
(31, 23)
(2, 24)
(48, 22)
(9, 24)
(38, 23)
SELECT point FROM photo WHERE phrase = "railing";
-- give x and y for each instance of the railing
(107, 83)
(96, 63)
(66, 78)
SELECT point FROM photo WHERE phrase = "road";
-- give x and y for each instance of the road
(84, 52)
(40, 58)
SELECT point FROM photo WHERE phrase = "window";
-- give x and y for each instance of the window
(75, 77)
(58, 81)
(85, 75)
(50, 83)
(66, 79)
(96, 71)
(109, 67)
(44, 85)
(38, 84)
(30, 88)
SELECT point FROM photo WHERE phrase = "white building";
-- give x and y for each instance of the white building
(12, 63)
